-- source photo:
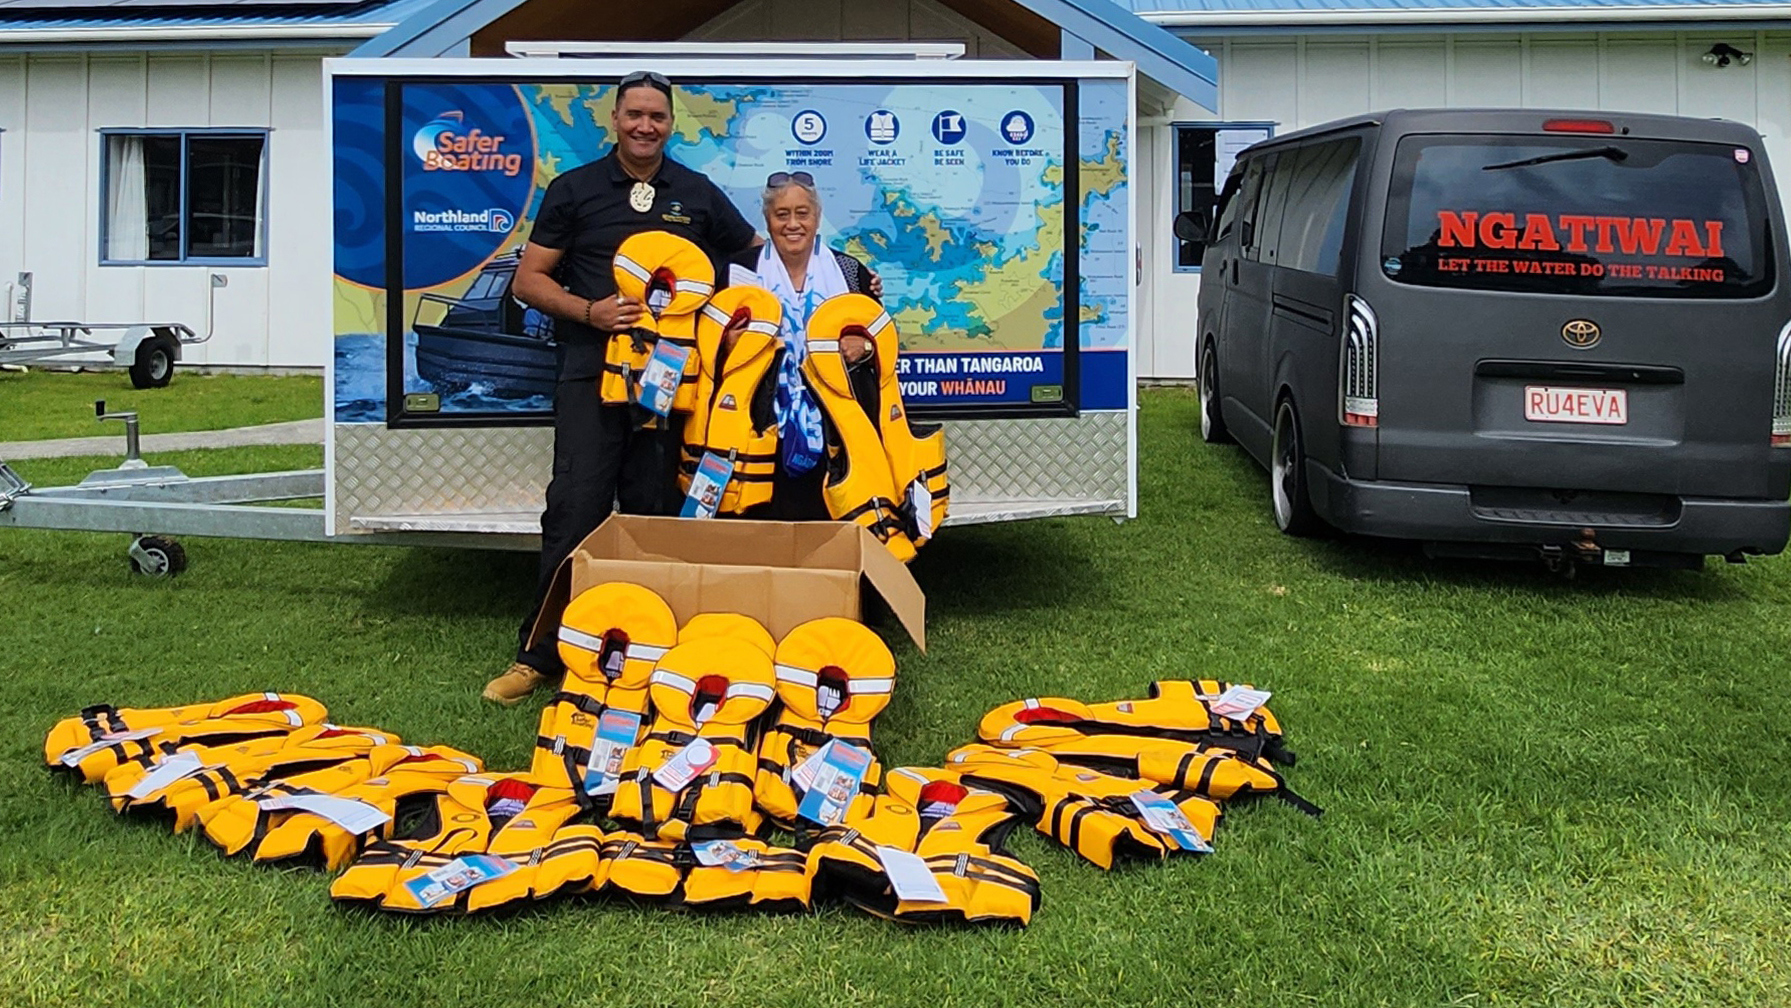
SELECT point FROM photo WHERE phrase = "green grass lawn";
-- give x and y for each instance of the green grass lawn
(44, 404)
(1538, 792)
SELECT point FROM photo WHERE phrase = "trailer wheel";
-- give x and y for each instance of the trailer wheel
(154, 367)
(157, 557)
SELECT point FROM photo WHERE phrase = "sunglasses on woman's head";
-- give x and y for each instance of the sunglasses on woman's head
(783, 178)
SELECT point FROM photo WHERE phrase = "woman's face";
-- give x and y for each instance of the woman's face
(791, 221)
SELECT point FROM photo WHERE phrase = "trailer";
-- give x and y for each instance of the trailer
(994, 198)
(148, 350)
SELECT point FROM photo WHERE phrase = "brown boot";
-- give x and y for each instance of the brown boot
(514, 686)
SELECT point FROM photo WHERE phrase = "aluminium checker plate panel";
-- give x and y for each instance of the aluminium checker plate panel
(484, 479)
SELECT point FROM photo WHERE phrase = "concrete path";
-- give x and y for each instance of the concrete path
(289, 433)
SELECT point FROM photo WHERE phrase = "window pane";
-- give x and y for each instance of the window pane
(142, 208)
(224, 196)
(1318, 206)
(1194, 176)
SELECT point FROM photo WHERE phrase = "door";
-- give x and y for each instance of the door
(1243, 338)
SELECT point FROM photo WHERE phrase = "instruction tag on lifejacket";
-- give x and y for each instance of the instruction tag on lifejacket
(686, 765)
(616, 732)
(177, 767)
(921, 500)
(351, 814)
(457, 876)
(1238, 702)
(724, 854)
(910, 877)
(660, 378)
(74, 756)
(1162, 815)
(704, 498)
(836, 782)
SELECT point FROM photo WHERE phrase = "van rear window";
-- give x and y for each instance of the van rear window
(1606, 215)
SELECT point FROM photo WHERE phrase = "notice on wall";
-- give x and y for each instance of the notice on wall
(1228, 143)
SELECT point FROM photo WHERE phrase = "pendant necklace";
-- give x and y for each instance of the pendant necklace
(641, 197)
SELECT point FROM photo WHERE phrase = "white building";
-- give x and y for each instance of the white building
(144, 147)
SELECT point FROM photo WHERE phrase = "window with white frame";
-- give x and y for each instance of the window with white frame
(178, 196)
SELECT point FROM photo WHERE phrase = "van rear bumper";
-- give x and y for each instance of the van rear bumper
(1445, 512)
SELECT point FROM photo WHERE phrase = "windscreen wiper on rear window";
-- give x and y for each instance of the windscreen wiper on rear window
(1611, 153)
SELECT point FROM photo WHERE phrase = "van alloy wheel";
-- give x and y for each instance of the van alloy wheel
(1287, 476)
(1212, 422)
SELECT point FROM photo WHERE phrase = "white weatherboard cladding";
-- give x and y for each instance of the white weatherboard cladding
(1300, 81)
(52, 109)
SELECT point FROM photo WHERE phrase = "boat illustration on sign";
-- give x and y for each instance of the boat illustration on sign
(485, 340)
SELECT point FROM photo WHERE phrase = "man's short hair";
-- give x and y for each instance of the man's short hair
(644, 78)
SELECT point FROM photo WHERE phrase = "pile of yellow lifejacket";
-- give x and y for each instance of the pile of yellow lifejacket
(883, 471)
(706, 765)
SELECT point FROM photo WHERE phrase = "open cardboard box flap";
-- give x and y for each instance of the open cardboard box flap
(780, 573)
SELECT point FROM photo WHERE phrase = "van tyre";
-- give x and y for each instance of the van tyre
(1287, 476)
(154, 365)
(1212, 421)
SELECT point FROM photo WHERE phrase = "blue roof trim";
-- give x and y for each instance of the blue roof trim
(440, 28)
(271, 15)
(1335, 7)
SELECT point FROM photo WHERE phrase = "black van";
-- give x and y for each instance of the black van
(1507, 332)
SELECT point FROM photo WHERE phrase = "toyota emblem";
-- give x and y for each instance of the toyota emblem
(1581, 334)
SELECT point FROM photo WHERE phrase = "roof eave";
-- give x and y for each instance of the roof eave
(115, 34)
(1446, 16)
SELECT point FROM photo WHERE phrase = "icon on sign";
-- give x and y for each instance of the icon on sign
(948, 128)
(808, 127)
(882, 127)
(1016, 127)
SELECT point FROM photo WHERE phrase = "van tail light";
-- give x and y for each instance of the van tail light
(1781, 392)
(1358, 384)
(1579, 126)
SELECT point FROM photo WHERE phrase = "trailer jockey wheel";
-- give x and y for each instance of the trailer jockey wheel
(157, 557)
(154, 366)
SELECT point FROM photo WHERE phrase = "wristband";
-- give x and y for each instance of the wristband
(588, 304)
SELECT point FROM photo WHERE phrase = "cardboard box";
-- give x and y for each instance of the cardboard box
(780, 573)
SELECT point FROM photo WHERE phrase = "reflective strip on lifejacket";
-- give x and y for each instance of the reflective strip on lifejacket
(758, 691)
(792, 674)
(646, 652)
(695, 287)
(596, 642)
(861, 687)
(682, 684)
(880, 323)
(715, 314)
(634, 269)
(824, 346)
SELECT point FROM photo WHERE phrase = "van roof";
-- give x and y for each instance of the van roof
(1508, 120)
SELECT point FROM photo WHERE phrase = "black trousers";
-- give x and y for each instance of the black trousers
(601, 462)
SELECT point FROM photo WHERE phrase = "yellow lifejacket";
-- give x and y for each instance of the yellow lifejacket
(525, 822)
(957, 829)
(1211, 771)
(1090, 812)
(759, 875)
(1175, 709)
(671, 278)
(610, 638)
(238, 735)
(730, 625)
(101, 721)
(706, 694)
(401, 775)
(878, 456)
(270, 728)
(834, 676)
(241, 769)
(735, 413)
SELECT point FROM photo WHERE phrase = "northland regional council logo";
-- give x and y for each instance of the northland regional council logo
(494, 220)
(446, 144)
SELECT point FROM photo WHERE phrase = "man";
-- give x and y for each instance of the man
(600, 453)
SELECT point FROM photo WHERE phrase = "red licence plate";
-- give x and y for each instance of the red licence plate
(1552, 404)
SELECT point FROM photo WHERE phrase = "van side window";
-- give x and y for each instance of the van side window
(1241, 206)
(1317, 208)
(1250, 214)
(1269, 207)
(1228, 206)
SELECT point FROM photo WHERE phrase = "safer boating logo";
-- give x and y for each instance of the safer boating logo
(446, 143)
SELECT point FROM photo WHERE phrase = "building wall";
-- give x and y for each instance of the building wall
(1299, 81)
(51, 110)
(844, 21)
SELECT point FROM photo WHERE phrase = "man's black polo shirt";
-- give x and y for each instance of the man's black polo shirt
(585, 214)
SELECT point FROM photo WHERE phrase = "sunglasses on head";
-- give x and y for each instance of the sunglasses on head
(653, 80)
(783, 178)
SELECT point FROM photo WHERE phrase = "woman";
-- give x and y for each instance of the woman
(802, 272)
